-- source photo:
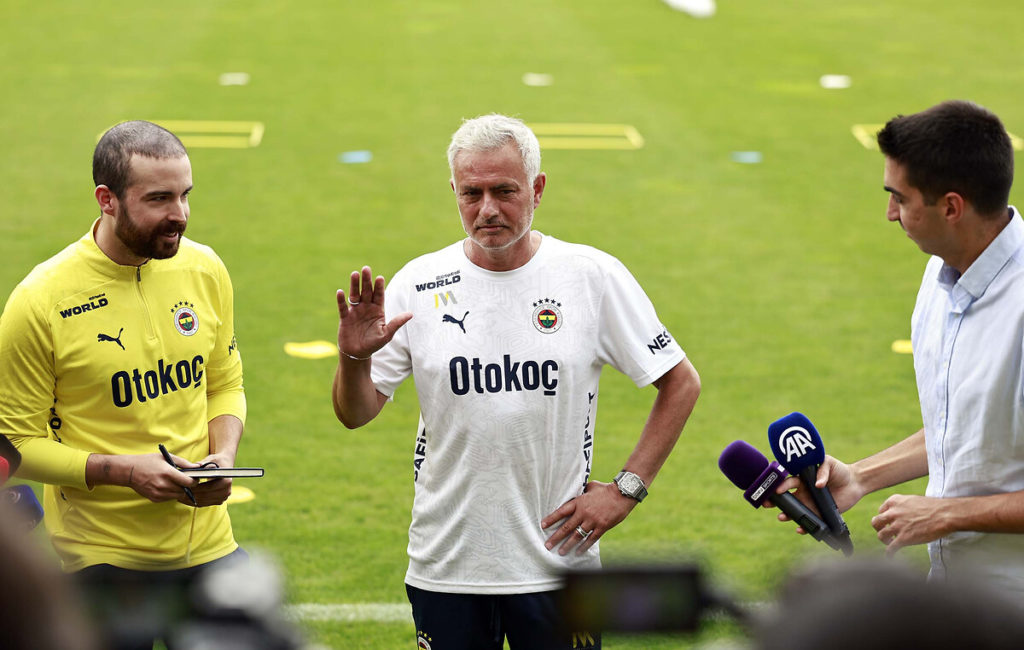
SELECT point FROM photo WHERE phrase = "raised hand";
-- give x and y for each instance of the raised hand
(362, 326)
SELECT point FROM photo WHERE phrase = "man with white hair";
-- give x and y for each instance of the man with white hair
(506, 333)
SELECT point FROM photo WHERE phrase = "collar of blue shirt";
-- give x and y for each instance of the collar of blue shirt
(965, 289)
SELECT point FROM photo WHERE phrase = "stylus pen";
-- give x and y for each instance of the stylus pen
(167, 457)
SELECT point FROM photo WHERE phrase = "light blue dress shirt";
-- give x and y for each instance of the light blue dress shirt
(968, 340)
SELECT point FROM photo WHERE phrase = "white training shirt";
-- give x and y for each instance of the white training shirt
(968, 340)
(506, 367)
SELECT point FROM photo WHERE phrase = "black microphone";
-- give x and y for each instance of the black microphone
(798, 447)
(750, 471)
(10, 458)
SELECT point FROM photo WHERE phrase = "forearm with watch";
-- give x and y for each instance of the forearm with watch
(678, 390)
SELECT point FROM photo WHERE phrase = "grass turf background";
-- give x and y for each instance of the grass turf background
(781, 279)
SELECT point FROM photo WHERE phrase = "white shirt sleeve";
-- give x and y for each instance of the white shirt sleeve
(631, 338)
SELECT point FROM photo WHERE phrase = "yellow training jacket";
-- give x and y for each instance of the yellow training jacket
(96, 357)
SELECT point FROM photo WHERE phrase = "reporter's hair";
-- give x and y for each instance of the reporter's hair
(858, 604)
(489, 132)
(111, 161)
(956, 146)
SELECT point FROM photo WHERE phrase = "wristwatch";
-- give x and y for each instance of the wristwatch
(631, 485)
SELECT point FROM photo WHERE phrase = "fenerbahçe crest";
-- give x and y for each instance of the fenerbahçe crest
(546, 316)
(185, 319)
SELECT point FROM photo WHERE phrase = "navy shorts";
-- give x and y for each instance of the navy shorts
(447, 621)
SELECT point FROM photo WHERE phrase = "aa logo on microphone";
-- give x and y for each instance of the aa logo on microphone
(795, 442)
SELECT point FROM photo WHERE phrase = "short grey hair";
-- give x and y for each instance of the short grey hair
(489, 132)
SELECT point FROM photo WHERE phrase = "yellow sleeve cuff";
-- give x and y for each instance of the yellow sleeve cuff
(48, 461)
(227, 403)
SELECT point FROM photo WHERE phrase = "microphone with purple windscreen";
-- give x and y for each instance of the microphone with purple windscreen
(749, 470)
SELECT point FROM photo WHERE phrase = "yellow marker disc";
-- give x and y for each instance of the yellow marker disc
(312, 349)
(240, 494)
(902, 346)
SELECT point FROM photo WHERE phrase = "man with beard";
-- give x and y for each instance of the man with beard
(506, 333)
(123, 342)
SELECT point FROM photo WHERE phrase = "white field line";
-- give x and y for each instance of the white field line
(394, 613)
(351, 612)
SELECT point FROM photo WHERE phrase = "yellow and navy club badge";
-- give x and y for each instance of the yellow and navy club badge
(546, 316)
(185, 319)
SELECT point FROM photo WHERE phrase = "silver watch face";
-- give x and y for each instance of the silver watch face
(630, 484)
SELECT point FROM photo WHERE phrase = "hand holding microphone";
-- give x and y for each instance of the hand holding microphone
(750, 471)
(798, 447)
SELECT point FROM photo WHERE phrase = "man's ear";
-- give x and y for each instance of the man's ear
(953, 207)
(106, 199)
(539, 184)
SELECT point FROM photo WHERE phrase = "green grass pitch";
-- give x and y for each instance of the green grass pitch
(781, 279)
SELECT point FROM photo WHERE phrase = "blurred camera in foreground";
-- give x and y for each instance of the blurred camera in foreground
(668, 598)
(838, 605)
